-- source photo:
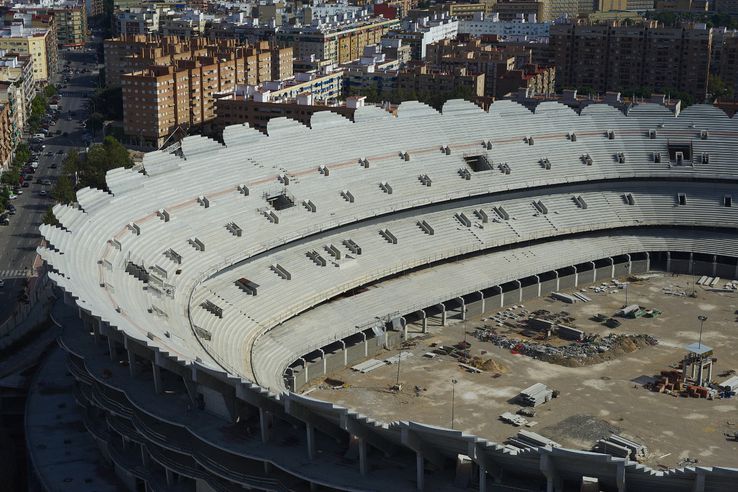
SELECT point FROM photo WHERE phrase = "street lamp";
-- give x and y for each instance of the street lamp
(702, 319)
(453, 400)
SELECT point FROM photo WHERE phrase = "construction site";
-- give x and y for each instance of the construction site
(641, 367)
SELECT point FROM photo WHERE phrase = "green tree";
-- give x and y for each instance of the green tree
(101, 158)
(95, 122)
(63, 191)
(108, 102)
(50, 218)
(718, 89)
(50, 91)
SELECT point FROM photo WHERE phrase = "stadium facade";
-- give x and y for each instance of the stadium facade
(200, 294)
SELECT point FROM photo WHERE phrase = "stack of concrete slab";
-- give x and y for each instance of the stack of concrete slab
(538, 394)
(621, 447)
(531, 440)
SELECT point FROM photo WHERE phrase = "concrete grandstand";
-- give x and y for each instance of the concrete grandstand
(210, 288)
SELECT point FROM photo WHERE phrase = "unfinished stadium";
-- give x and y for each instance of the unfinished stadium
(204, 293)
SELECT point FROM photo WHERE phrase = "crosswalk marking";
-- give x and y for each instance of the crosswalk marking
(15, 273)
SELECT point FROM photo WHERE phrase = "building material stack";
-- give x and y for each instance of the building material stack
(538, 394)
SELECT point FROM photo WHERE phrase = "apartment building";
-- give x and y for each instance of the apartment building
(728, 68)
(510, 9)
(7, 142)
(258, 62)
(94, 7)
(336, 42)
(69, 20)
(181, 92)
(505, 67)
(425, 79)
(521, 28)
(621, 58)
(422, 28)
(39, 43)
(238, 108)
(17, 88)
(137, 21)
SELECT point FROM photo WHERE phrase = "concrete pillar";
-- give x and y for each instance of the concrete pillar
(310, 429)
(443, 314)
(132, 366)
(363, 464)
(144, 457)
(553, 482)
(714, 265)
(345, 352)
(267, 467)
(612, 267)
(111, 347)
(648, 261)
(264, 421)
(169, 477)
(95, 330)
(620, 477)
(691, 263)
(668, 261)
(322, 358)
(463, 308)
(419, 470)
(520, 290)
(576, 276)
(538, 281)
(558, 280)
(403, 323)
(366, 344)
(482, 477)
(305, 370)
(481, 300)
(156, 370)
(630, 263)
(594, 271)
(425, 320)
(699, 481)
(502, 296)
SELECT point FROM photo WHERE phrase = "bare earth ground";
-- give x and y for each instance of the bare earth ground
(595, 400)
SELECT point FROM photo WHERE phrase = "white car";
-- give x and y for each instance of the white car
(12, 196)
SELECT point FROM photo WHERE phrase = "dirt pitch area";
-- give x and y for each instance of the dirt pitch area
(595, 400)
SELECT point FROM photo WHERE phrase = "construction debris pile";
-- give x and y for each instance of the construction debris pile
(591, 350)
(673, 382)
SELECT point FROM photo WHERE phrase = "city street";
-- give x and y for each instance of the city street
(18, 241)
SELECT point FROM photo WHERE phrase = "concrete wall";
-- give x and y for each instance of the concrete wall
(214, 401)
(604, 273)
(566, 282)
(512, 297)
(530, 292)
(621, 269)
(727, 272)
(475, 308)
(548, 286)
(639, 266)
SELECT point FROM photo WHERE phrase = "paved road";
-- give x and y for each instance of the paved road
(18, 241)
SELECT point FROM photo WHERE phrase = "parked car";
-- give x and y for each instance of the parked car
(42, 193)
(26, 184)
(4, 220)
(12, 196)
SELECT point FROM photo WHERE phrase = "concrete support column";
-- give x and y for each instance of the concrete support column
(612, 267)
(668, 261)
(95, 329)
(502, 296)
(482, 477)
(520, 290)
(594, 271)
(366, 344)
(111, 347)
(443, 314)
(170, 477)
(538, 282)
(363, 464)
(144, 457)
(481, 299)
(322, 358)
(345, 352)
(620, 477)
(403, 323)
(425, 320)
(310, 429)
(267, 467)
(156, 370)
(576, 276)
(419, 470)
(305, 370)
(630, 263)
(264, 423)
(558, 280)
(648, 261)
(463, 308)
(714, 265)
(132, 366)
(553, 482)
(699, 481)
(691, 263)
